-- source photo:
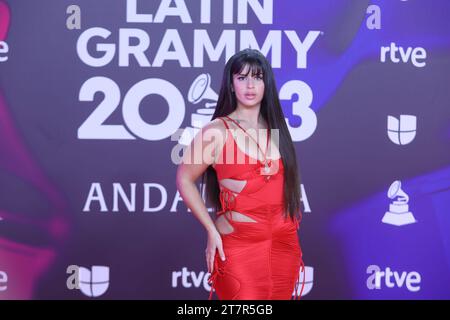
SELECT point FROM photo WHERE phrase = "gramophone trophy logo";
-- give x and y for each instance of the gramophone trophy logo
(398, 214)
(199, 91)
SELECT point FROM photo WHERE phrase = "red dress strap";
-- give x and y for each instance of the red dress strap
(297, 296)
(227, 201)
(267, 143)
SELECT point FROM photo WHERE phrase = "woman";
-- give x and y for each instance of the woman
(253, 250)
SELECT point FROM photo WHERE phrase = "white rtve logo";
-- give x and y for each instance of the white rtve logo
(191, 278)
(92, 283)
(410, 54)
(392, 279)
(185, 275)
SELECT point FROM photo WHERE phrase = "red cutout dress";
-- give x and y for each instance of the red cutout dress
(263, 258)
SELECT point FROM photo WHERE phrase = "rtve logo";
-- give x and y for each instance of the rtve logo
(373, 22)
(405, 55)
(189, 278)
(392, 279)
(3, 281)
(92, 283)
(185, 275)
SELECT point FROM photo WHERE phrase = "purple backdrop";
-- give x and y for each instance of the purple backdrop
(96, 95)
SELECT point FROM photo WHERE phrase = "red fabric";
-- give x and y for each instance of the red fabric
(263, 258)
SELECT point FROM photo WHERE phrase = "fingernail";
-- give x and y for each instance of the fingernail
(223, 258)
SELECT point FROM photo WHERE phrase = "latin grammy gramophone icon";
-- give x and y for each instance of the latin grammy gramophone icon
(199, 91)
(398, 214)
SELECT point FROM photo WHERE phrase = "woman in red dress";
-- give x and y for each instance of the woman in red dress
(253, 251)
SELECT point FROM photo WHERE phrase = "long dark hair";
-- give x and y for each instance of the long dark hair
(272, 113)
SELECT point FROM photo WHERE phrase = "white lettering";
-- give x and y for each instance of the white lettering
(392, 279)
(412, 54)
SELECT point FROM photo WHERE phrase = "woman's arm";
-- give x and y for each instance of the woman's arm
(203, 149)
(197, 157)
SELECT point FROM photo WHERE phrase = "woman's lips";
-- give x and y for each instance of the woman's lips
(250, 96)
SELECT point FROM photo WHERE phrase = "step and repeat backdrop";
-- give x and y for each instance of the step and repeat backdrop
(97, 99)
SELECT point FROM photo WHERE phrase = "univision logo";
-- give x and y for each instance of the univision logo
(402, 131)
(306, 276)
(3, 281)
(92, 283)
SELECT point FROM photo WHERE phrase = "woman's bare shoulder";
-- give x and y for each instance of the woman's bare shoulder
(215, 132)
(215, 125)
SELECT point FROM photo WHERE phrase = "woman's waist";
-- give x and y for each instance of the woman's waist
(254, 205)
(265, 199)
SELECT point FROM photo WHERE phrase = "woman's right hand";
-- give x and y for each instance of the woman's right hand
(214, 243)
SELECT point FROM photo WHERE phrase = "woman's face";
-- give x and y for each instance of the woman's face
(249, 89)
